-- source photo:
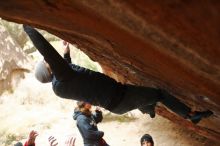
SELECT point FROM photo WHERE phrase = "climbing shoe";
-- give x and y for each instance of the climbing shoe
(199, 115)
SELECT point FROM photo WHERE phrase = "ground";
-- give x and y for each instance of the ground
(34, 106)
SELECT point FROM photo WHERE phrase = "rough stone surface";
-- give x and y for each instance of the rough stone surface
(167, 44)
(13, 61)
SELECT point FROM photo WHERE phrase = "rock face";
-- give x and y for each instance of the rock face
(166, 44)
(13, 61)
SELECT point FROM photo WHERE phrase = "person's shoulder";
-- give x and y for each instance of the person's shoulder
(82, 116)
(83, 119)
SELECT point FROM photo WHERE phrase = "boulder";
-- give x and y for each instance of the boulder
(13, 62)
(172, 45)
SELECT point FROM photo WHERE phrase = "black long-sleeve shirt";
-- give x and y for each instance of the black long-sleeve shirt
(75, 82)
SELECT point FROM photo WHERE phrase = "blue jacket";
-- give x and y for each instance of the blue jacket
(87, 126)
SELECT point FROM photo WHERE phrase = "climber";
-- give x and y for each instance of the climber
(74, 82)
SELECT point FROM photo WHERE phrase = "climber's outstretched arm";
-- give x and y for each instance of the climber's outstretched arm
(57, 64)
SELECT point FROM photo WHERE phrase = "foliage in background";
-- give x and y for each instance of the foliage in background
(127, 117)
(10, 138)
(35, 106)
(17, 33)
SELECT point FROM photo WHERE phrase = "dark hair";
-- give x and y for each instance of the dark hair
(81, 108)
(148, 138)
(80, 104)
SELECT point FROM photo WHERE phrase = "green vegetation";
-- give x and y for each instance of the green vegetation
(10, 138)
(17, 33)
(120, 118)
(83, 60)
(30, 106)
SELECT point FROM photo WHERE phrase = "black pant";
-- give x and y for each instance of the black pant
(145, 98)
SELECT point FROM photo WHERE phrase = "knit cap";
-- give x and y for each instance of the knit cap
(147, 137)
(42, 73)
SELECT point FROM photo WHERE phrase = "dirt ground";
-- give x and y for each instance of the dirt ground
(49, 121)
(118, 133)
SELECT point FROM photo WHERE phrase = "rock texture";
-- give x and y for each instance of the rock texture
(167, 44)
(13, 61)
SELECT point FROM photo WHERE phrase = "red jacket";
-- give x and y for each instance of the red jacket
(26, 144)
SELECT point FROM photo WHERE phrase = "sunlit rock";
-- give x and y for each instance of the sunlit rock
(13, 61)
(166, 44)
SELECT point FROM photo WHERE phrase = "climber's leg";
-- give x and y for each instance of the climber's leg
(136, 97)
(196, 116)
(181, 109)
(175, 104)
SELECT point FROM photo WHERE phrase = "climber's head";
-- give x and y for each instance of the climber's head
(43, 72)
